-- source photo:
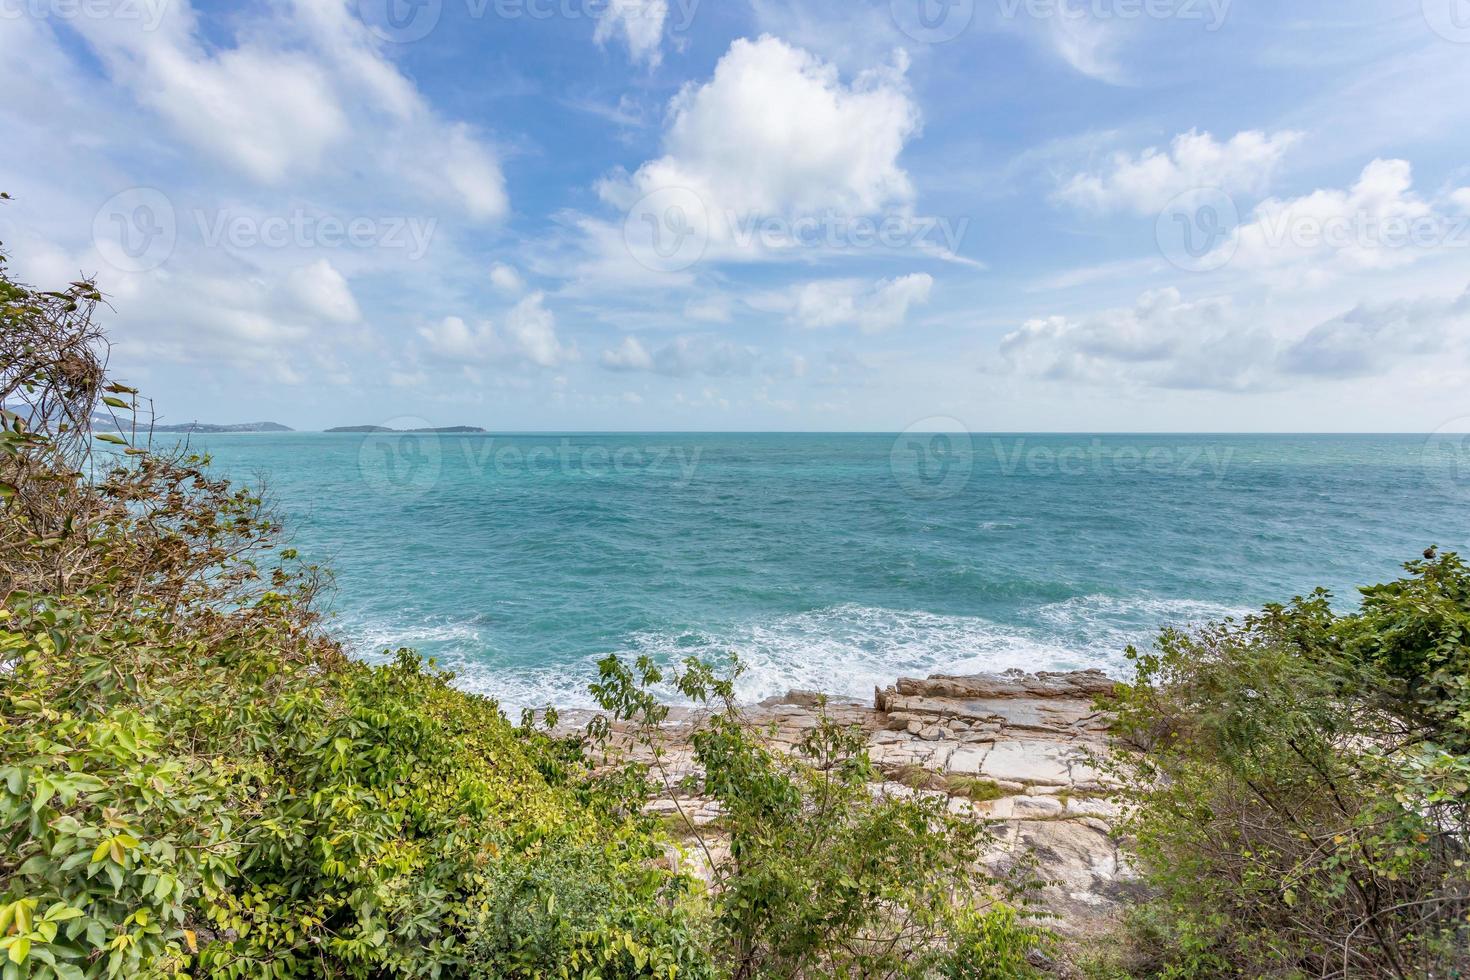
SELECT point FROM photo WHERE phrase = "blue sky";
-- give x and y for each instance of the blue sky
(742, 214)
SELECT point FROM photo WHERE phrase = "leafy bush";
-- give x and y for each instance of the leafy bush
(195, 781)
(825, 879)
(1302, 806)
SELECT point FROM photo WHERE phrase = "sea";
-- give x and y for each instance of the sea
(831, 562)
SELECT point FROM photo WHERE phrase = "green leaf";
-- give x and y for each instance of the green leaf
(109, 437)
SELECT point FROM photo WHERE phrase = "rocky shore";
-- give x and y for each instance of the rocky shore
(1016, 750)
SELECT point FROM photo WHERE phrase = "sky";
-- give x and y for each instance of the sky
(574, 215)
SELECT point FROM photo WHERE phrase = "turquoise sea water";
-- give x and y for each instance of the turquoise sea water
(833, 562)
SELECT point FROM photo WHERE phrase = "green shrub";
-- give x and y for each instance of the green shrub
(195, 781)
(824, 878)
(1301, 807)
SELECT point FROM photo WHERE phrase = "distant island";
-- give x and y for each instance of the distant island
(104, 422)
(382, 428)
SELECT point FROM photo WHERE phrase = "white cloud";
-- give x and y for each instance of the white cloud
(1163, 341)
(528, 335)
(1145, 183)
(870, 306)
(304, 89)
(320, 288)
(1461, 199)
(507, 279)
(1378, 223)
(776, 132)
(630, 355)
(453, 339)
(1089, 46)
(683, 357)
(709, 309)
(531, 330)
(640, 22)
(1372, 336)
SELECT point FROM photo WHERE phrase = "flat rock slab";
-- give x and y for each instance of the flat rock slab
(1030, 762)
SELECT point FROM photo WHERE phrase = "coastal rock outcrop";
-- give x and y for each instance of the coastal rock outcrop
(1020, 751)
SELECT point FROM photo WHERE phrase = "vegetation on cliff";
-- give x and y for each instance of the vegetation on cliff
(194, 781)
(1303, 800)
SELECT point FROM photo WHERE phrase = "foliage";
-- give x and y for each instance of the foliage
(1302, 808)
(195, 781)
(823, 878)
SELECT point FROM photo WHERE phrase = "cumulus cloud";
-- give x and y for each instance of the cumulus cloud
(528, 335)
(1165, 341)
(1162, 340)
(507, 279)
(641, 24)
(683, 357)
(775, 136)
(1378, 223)
(630, 355)
(304, 87)
(1372, 336)
(1243, 164)
(870, 306)
(320, 288)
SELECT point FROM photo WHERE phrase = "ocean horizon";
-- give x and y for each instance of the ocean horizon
(831, 561)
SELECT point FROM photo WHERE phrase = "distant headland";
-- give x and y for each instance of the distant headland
(104, 423)
(383, 428)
